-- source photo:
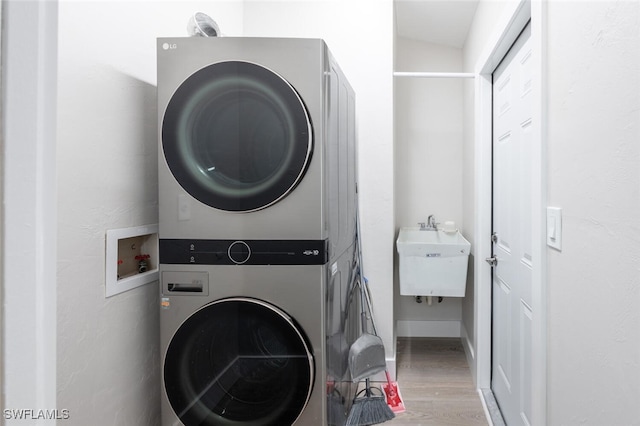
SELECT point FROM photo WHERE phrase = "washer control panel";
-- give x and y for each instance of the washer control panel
(243, 252)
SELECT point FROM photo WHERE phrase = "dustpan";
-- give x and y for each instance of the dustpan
(366, 354)
(366, 357)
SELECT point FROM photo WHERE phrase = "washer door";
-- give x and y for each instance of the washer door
(238, 361)
(237, 136)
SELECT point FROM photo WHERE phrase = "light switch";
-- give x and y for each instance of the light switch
(553, 231)
(554, 227)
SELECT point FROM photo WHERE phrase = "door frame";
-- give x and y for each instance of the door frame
(513, 21)
(29, 234)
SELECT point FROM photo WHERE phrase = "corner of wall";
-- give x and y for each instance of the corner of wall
(29, 234)
(470, 352)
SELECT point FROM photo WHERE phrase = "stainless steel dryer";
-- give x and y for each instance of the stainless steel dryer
(257, 141)
(257, 345)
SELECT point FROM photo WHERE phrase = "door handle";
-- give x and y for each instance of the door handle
(493, 261)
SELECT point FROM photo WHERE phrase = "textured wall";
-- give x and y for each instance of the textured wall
(108, 351)
(593, 172)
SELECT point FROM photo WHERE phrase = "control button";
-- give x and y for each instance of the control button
(239, 252)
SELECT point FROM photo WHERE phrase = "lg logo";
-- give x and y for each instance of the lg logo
(169, 46)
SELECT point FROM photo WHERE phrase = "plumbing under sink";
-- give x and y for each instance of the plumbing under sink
(432, 263)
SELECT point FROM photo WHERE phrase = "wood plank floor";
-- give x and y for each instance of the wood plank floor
(436, 384)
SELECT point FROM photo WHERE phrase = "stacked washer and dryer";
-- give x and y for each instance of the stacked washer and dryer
(257, 205)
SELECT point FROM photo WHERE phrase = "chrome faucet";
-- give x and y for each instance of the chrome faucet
(430, 225)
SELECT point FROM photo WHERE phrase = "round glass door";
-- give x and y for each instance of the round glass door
(238, 362)
(237, 136)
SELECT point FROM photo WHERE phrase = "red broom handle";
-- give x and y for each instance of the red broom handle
(391, 389)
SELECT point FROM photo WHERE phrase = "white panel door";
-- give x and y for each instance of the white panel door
(512, 247)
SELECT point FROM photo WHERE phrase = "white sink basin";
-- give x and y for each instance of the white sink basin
(432, 263)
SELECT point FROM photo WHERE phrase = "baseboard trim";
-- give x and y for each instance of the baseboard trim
(466, 342)
(470, 352)
(428, 328)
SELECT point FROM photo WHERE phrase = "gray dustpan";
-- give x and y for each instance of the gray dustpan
(366, 354)
(366, 357)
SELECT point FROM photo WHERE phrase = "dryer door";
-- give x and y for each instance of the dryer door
(238, 361)
(237, 136)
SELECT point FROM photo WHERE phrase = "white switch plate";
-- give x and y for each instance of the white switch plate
(554, 227)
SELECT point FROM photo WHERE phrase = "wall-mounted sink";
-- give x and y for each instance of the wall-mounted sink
(432, 263)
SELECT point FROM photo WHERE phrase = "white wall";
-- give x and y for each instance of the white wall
(428, 167)
(108, 368)
(359, 34)
(594, 175)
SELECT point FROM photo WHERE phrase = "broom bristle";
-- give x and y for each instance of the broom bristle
(369, 410)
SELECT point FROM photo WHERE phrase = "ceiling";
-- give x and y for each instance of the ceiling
(443, 22)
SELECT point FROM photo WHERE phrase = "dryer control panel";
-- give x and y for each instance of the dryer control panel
(247, 252)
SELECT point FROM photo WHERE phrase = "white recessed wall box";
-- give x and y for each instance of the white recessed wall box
(131, 259)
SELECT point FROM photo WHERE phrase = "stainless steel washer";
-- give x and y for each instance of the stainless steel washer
(257, 345)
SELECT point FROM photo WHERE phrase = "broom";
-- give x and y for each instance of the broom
(368, 409)
(391, 390)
